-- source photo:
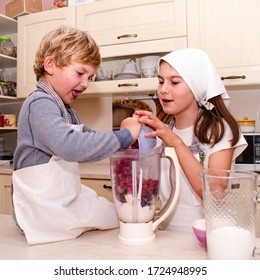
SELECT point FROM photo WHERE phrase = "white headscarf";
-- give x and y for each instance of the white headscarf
(196, 69)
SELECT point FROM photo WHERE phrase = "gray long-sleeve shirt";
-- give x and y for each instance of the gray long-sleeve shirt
(42, 132)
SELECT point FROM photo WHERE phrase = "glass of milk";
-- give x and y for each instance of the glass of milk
(229, 198)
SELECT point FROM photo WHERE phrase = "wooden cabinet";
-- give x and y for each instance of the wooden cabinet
(121, 22)
(133, 29)
(122, 29)
(229, 32)
(5, 196)
(100, 186)
(31, 29)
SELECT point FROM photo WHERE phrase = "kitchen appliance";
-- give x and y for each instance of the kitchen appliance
(249, 159)
(229, 198)
(135, 178)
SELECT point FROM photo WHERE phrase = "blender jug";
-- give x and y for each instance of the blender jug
(135, 183)
(230, 212)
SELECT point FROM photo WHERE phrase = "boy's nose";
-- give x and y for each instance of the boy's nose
(84, 82)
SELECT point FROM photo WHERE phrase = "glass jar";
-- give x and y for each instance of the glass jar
(7, 46)
(4, 88)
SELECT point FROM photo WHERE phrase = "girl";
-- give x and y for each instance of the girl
(202, 131)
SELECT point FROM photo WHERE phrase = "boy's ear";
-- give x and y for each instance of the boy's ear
(49, 65)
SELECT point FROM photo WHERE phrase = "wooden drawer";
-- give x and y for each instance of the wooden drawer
(120, 22)
(101, 187)
(5, 195)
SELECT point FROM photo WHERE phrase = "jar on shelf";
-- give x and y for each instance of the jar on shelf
(6, 46)
(2, 120)
(4, 88)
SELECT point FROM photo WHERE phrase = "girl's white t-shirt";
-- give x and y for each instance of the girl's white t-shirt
(189, 207)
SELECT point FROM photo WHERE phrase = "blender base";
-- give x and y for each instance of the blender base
(136, 233)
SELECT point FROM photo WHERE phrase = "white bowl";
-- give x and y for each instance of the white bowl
(150, 61)
(149, 72)
(122, 76)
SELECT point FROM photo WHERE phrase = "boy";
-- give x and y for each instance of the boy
(49, 202)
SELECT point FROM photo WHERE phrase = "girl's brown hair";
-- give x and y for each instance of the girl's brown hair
(66, 44)
(209, 127)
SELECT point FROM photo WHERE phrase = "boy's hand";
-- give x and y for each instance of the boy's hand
(133, 125)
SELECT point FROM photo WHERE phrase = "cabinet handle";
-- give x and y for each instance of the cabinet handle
(126, 36)
(233, 77)
(128, 85)
(107, 187)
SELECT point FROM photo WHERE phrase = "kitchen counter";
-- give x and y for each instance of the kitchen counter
(99, 170)
(99, 245)
(6, 169)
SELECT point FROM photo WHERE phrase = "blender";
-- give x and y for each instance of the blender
(135, 176)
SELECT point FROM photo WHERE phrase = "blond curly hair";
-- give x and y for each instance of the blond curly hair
(66, 44)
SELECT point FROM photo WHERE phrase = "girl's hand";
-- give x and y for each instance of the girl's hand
(161, 129)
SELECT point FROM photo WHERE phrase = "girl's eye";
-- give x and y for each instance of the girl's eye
(160, 81)
(80, 74)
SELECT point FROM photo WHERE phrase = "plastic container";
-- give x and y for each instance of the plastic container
(247, 125)
(4, 88)
(7, 46)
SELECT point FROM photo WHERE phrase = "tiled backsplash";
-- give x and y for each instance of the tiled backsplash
(246, 103)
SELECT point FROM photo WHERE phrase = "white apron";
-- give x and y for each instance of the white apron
(51, 204)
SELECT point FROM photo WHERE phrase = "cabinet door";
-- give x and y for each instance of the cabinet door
(229, 32)
(5, 196)
(101, 187)
(127, 29)
(31, 29)
(120, 22)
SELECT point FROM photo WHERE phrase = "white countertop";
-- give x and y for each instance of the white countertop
(98, 245)
(99, 170)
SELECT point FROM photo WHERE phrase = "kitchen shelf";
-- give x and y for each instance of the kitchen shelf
(8, 25)
(133, 87)
(8, 99)
(7, 61)
(7, 129)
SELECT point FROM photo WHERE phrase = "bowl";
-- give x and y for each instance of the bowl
(122, 76)
(149, 73)
(199, 229)
(150, 61)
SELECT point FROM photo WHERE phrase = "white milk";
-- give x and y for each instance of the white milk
(128, 213)
(231, 243)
